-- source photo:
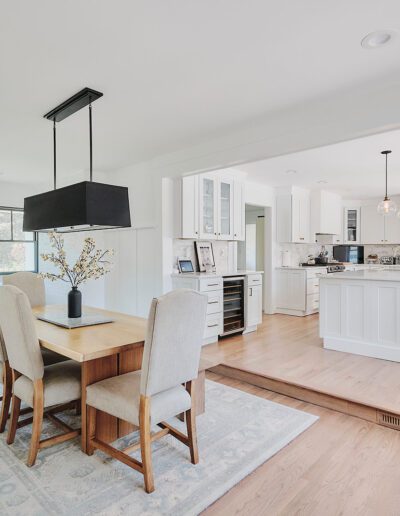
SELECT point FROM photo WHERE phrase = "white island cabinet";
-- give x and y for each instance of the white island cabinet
(360, 313)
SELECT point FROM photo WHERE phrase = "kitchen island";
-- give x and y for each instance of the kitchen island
(360, 313)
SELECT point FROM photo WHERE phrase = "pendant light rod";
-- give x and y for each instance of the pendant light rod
(54, 156)
(386, 152)
(90, 142)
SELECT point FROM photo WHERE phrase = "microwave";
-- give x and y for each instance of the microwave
(349, 253)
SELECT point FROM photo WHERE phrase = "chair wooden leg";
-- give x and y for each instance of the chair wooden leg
(37, 421)
(15, 408)
(191, 426)
(91, 428)
(7, 393)
(145, 443)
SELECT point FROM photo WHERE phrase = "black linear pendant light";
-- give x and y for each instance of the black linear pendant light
(84, 206)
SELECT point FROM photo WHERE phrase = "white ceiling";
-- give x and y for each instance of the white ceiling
(355, 169)
(174, 73)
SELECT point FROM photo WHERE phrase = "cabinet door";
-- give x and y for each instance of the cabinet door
(392, 229)
(351, 220)
(190, 207)
(239, 215)
(372, 225)
(291, 290)
(254, 305)
(300, 218)
(208, 207)
(225, 209)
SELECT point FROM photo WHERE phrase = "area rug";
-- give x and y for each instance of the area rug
(237, 433)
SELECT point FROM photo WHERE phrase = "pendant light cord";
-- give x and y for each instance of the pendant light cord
(90, 142)
(54, 156)
(386, 175)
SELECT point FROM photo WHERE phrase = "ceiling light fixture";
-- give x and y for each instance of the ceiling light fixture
(387, 206)
(290, 171)
(84, 206)
(378, 39)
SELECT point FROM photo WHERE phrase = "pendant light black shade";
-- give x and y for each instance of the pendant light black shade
(79, 207)
(84, 206)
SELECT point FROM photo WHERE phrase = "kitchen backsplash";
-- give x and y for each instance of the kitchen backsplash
(299, 252)
(224, 253)
(381, 250)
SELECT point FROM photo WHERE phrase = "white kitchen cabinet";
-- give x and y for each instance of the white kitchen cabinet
(208, 207)
(352, 225)
(377, 229)
(392, 229)
(372, 225)
(225, 205)
(239, 212)
(293, 216)
(254, 305)
(298, 290)
(211, 207)
(326, 214)
(190, 207)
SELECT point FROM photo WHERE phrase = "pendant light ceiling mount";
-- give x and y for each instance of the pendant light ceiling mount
(387, 206)
(84, 206)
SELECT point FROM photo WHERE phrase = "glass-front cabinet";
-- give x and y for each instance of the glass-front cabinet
(352, 225)
(208, 207)
(225, 209)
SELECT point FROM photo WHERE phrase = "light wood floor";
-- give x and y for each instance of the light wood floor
(341, 465)
(289, 349)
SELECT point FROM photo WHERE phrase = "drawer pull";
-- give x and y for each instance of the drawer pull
(212, 284)
(213, 302)
(212, 325)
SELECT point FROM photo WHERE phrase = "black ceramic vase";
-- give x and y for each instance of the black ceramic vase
(74, 303)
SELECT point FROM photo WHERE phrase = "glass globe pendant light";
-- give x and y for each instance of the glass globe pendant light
(387, 206)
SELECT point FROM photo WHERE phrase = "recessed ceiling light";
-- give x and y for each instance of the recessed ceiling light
(322, 182)
(378, 39)
(290, 171)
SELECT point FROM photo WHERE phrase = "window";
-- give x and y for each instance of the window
(18, 250)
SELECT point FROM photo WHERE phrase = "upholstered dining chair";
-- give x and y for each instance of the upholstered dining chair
(163, 388)
(33, 286)
(40, 387)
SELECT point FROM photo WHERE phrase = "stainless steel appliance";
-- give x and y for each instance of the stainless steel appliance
(349, 253)
(233, 305)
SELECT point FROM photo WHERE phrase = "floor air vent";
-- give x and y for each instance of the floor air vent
(390, 420)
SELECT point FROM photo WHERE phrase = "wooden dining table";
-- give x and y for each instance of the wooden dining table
(104, 350)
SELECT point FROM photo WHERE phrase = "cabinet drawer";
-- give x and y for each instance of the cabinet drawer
(254, 279)
(213, 325)
(313, 285)
(208, 284)
(312, 302)
(214, 305)
(316, 273)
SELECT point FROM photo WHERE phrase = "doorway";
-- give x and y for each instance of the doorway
(251, 251)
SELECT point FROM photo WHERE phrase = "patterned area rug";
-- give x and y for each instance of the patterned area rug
(237, 433)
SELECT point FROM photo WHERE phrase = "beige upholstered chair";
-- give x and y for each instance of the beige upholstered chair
(33, 286)
(163, 387)
(38, 386)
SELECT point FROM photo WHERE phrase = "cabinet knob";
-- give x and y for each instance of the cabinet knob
(195, 232)
(235, 234)
(215, 233)
(219, 233)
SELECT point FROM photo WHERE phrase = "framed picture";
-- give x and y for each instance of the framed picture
(205, 256)
(185, 265)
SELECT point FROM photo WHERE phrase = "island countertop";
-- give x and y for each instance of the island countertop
(367, 274)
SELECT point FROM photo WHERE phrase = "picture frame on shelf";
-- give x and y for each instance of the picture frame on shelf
(205, 256)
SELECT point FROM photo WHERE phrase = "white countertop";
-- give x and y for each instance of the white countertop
(365, 275)
(301, 267)
(215, 274)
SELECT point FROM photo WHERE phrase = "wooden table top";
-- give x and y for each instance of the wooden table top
(90, 342)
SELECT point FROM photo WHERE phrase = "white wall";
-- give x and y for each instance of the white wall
(137, 274)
